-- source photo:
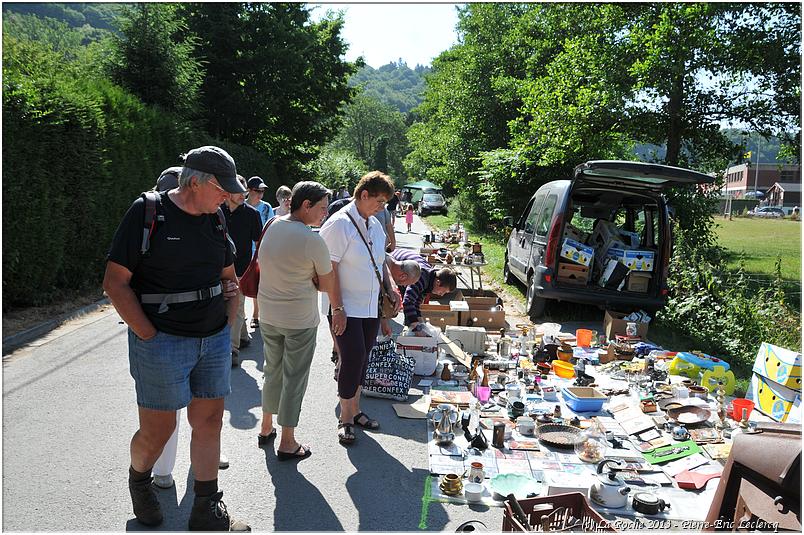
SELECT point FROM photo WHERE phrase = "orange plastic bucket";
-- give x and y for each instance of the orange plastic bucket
(583, 338)
(737, 408)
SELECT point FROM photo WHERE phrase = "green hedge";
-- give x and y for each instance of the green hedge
(76, 152)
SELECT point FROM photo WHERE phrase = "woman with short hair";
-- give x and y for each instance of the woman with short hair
(356, 242)
(293, 260)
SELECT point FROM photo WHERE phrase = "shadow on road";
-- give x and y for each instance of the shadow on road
(300, 506)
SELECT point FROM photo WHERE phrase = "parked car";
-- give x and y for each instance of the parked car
(766, 211)
(608, 204)
(432, 203)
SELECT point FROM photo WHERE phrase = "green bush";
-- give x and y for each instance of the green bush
(723, 312)
(77, 151)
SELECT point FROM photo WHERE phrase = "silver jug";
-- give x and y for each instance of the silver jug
(445, 416)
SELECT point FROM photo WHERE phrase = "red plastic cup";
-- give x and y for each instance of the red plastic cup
(737, 407)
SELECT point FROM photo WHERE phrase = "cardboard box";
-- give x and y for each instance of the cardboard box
(440, 316)
(572, 274)
(635, 260)
(614, 324)
(577, 252)
(481, 314)
(605, 231)
(424, 350)
(574, 233)
(470, 339)
(638, 281)
(780, 365)
(771, 398)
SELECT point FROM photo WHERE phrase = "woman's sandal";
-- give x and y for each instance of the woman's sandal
(262, 440)
(295, 455)
(367, 423)
(346, 433)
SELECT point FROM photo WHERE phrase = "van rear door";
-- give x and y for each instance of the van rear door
(637, 175)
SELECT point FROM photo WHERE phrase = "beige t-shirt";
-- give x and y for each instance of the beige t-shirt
(290, 255)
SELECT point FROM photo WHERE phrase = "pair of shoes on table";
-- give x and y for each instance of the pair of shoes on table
(164, 482)
(255, 323)
(145, 503)
(262, 440)
(209, 514)
(294, 455)
(235, 358)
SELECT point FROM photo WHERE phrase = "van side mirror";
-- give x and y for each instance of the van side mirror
(508, 221)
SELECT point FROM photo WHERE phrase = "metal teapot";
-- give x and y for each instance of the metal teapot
(609, 490)
(444, 418)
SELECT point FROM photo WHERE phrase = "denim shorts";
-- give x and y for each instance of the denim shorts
(170, 370)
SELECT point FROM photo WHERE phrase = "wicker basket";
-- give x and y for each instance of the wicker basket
(535, 509)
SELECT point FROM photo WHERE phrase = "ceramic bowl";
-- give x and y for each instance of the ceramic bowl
(473, 492)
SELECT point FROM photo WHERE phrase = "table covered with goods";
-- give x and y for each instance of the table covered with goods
(580, 431)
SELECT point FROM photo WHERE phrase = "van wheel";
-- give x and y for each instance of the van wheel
(536, 304)
(507, 276)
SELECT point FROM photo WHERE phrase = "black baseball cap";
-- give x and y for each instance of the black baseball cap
(256, 182)
(216, 161)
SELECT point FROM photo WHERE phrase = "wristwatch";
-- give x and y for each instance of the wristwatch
(335, 309)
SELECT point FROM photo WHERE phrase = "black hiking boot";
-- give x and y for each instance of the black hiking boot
(146, 505)
(209, 514)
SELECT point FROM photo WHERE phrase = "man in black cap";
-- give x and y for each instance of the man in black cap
(245, 225)
(165, 280)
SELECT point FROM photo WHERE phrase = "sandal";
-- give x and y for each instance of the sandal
(255, 323)
(289, 456)
(262, 440)
(346, 433)
(368, 423)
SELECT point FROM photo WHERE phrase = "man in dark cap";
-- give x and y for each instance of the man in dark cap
(170, 295)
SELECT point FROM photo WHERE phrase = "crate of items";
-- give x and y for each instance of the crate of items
(561, 512)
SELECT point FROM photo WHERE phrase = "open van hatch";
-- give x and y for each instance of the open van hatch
(637, 174)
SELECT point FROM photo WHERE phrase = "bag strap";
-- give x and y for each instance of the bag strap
(152, 204)
(222, 228)
(371, 256)
(257, 248)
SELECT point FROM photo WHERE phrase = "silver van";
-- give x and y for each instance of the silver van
(602, 238)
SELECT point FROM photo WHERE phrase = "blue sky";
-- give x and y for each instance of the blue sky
(382, 33)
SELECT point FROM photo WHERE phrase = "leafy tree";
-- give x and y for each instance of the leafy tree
(273, 80)
(394, 84)
(153, 57)
(334, 167)
(367, 125)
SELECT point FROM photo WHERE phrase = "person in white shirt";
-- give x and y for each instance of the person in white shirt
(355, 238)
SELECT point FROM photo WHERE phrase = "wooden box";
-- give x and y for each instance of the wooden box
(440, 316)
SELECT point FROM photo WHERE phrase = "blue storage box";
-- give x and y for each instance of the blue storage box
(583, 398)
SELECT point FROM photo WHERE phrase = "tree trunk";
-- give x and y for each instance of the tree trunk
(674, 127)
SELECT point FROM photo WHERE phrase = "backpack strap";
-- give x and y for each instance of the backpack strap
(222, 227)
(153, 205)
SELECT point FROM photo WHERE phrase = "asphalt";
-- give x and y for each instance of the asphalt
(69, 411)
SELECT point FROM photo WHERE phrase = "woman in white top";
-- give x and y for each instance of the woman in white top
(292, 258)
(357, 290)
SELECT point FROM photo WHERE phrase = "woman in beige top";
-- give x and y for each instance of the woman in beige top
(291, 257)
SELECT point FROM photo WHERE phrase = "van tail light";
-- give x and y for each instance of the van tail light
(553, 239)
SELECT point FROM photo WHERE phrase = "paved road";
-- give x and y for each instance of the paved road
(69, 412)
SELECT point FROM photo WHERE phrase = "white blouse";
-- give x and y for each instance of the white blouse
(360, 289)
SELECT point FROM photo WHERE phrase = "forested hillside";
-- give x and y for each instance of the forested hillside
(96, 15)
(394, 84)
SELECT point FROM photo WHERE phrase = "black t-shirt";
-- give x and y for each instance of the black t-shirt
(244, 226)
(337, 205)
(393, 202)
(187, 253)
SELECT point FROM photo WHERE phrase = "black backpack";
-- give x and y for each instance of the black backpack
(154, 213)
